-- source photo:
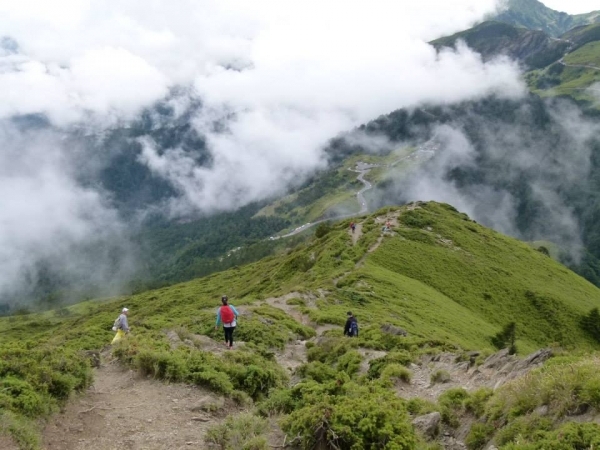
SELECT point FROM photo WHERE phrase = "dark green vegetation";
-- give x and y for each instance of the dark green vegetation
(534, 48)
(451, 283)
(535, 15)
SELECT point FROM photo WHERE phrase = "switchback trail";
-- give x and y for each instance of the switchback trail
(424, 151)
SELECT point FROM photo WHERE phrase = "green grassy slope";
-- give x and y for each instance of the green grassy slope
(534, 48)
(448, 281)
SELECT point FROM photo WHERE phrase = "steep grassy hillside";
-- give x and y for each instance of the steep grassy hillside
(535, 15)
(535, 49)
(449, 282)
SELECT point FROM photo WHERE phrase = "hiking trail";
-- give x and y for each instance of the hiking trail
(124, 410)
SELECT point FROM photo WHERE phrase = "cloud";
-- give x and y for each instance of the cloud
(47, 216)
(525, 172)
(275, 80)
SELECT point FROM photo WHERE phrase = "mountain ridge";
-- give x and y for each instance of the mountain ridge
(534, 15)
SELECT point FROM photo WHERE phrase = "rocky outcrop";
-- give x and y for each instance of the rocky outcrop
(502, 367)
(391, 329)
(428, 424)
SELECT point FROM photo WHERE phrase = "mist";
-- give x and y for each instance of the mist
(522, 168)
(274, 82)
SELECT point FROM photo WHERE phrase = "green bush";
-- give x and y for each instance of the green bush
(567, 437)
(440, 376)
(506, 338)
(353, 421)
(475, 403)
(240, 432)
(350, 362)
(452, 403)
(418, 406)
(281, 401)
(416, 219)
(317, 371)
(526, 427)
(479, 435)
(396, 371)
(376, 366)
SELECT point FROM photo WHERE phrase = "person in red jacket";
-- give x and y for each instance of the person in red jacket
(227, 314)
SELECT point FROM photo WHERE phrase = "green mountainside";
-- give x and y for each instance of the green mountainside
(535, 15)
(449, 282)
(534, 48)
(556, 67)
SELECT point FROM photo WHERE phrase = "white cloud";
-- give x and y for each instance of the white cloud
(281, 77)
(573, 6)
(46, 215)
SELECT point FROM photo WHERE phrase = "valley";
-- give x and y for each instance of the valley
(445, 193)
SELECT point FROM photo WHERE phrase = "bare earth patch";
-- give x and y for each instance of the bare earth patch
(7, 443)
(123, 410)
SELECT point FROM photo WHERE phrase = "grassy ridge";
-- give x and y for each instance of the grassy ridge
(492, 276)
(448, 281)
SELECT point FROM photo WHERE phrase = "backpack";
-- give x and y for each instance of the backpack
(354, 328)
(117, 324)
(227, 315)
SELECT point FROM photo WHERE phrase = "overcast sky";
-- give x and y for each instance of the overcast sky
(573, 6)
(287, 76)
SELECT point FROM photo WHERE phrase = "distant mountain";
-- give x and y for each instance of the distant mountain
(567, 66)
(534, 48)
(535, 15)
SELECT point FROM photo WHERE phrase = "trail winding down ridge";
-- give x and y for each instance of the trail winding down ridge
(426, 151)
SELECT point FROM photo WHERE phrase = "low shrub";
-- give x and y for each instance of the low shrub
(418, 406)
(356, 417)
(376, 366)
(396, 371)
(569, 436)
(241, 432)
(478, 436)
(440, 376)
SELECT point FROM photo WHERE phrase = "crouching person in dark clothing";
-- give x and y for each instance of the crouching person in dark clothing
(351, 327)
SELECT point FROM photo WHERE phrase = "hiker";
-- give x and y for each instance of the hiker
(228, 315)
(351, 327)
(353, 226)
(121, 326)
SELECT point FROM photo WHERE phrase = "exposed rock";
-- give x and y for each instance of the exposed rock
(94, 357)
(173, 338)
(541, 410)
(492, 447)
(391, 329)
(208, 404)
(428, 424)
(466, 365)
(497, 360)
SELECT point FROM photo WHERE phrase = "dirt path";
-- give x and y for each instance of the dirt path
(7, 443)
(357, 233)
(123, 410)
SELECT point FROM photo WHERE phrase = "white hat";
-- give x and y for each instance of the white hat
(125, 310)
